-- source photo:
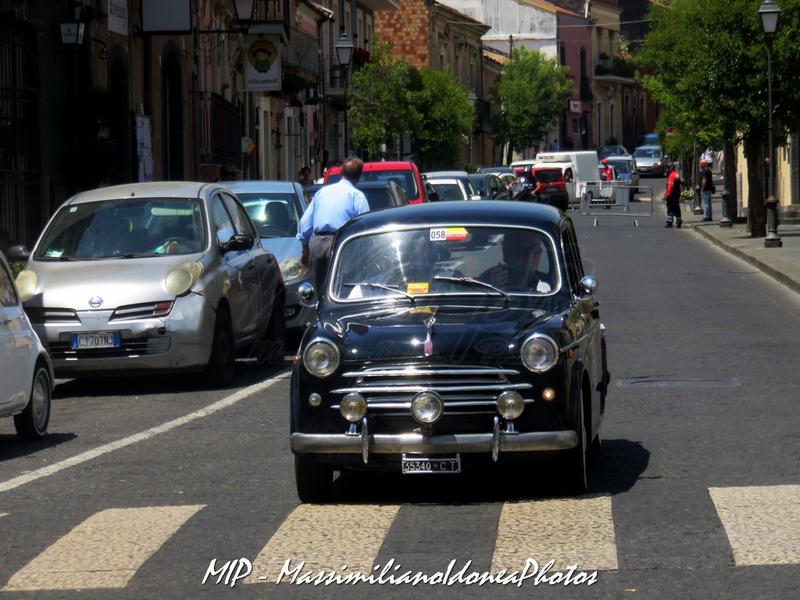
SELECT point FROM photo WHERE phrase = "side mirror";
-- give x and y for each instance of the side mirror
(307, 295)
(18, 253)
(238, 242)
(589, 285)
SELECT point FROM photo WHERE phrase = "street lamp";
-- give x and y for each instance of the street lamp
(344, 52)
(769, 13)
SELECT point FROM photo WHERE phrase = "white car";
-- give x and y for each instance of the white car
(26, 374)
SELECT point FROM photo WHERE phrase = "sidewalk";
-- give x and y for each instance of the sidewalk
(782, 264)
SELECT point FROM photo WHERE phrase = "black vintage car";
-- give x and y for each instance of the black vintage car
(449, 334)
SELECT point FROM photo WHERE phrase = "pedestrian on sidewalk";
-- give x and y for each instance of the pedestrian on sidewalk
(706, 189)
(331, 207)
(672, 195)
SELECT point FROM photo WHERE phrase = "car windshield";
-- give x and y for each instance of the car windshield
(403, 177)
(275, 215)
(127, 228)
(621, 166)
(418, 262)
(449, 191)
(647, 153)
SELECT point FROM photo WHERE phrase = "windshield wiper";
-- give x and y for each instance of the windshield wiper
(475, 282)
(380, 286)
(136, 255)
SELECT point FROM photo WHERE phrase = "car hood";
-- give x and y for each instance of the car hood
(118, 282)
(457, 334)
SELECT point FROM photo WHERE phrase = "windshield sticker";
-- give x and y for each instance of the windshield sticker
(417, 288)
(54, 253)
(448, 234)
(73, 209)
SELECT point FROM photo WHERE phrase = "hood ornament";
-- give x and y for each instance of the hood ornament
(428, 344)
(95, 302)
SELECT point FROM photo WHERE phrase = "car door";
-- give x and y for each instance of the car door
(258, 276)
(17, 345)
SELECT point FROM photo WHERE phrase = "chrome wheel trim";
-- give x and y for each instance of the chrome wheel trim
(40, 401)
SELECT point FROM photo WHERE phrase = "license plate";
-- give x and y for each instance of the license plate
(413, 464)
(84, 341)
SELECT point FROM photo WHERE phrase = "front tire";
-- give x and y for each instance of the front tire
(314, 480)
(221, 364)
(31, 423)
(578, 461)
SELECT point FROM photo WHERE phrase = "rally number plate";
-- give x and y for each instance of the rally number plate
(85, 341)
(413, 464)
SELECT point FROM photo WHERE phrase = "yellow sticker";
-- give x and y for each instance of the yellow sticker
(417, 288)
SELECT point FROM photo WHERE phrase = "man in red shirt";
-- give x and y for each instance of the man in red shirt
(672, 195)
(608, 172)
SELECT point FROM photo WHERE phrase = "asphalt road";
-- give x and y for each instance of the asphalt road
(143, 482)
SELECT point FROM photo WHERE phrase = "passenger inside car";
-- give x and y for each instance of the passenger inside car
(520, 270)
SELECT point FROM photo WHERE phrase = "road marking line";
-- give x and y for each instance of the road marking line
(104, 551)
(325, 537)
(567, 530)
(3, 515)
(139, 437)
(762, 523)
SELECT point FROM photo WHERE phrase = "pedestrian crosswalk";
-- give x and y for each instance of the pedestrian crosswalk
(107, 549)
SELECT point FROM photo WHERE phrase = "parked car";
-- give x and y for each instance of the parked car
(496, 170)
(26, 384)
(275, 208)
(382, 195)
(154, 276)
(418, 363)
(626, 173)
(487, 185)
(614, 150)
(650, 160)
(461, 176)
(553, 190)
(406, 174)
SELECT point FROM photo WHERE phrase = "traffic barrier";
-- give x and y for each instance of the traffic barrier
(613, 199)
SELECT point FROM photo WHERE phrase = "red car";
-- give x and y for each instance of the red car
(405, 174)
(553, 188)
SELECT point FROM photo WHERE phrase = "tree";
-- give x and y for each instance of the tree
(444, 116)
(706, 63)
(532, 89)
(381, 109)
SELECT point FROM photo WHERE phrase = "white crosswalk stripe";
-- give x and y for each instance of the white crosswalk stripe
(762, 523)
(104, 551)
(568, 530)
(326, 537)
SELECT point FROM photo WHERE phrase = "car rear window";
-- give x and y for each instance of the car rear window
(402, 177)
(548, 175)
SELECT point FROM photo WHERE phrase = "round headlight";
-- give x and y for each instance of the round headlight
(353, 407)
(510, 405)
(181, 279)
(426, 407)
(539, 353)
(321, 358)
(292, 268)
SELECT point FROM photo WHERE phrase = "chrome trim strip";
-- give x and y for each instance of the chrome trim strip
(447, 405)
(332, 443)
(575, 343)
(411, 371)
(432, 388)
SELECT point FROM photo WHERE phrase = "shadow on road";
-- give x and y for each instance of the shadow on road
(619, 467)
(12, 446)
(148, 383)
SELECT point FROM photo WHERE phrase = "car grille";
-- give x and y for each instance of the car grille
(462, 389)
(130, 348)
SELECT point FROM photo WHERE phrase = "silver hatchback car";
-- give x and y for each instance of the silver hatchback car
(154, 276)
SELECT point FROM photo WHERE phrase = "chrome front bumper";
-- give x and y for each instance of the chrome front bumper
(324, 443)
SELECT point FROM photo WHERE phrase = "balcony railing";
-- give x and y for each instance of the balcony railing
(615, 67)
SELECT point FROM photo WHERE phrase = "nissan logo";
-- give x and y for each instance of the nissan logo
(95, 302)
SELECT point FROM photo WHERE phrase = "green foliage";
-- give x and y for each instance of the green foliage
(532, 90)
(444, 117)
(471, 167)
(380, 101)
(16, 267)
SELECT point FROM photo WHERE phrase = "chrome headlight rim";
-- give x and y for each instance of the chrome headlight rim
(419, 398)
(335, 360)
(548, 341)
(510, 405)
(353, 407)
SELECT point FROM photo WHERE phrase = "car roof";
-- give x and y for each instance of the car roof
(439, 174)
(647, 147)
(378, 166)
(499, 169)
(457, 212)
(441, 180)
(153, 189)
(256, 186)
(374, 184)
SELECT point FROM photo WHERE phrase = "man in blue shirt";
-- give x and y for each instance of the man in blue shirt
(332, 206)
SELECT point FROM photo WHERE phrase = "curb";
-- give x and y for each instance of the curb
(761, 266)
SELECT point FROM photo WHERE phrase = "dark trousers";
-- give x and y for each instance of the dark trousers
(674, 208)
(320, 256)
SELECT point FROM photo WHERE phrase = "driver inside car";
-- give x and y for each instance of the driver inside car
(519, 271)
